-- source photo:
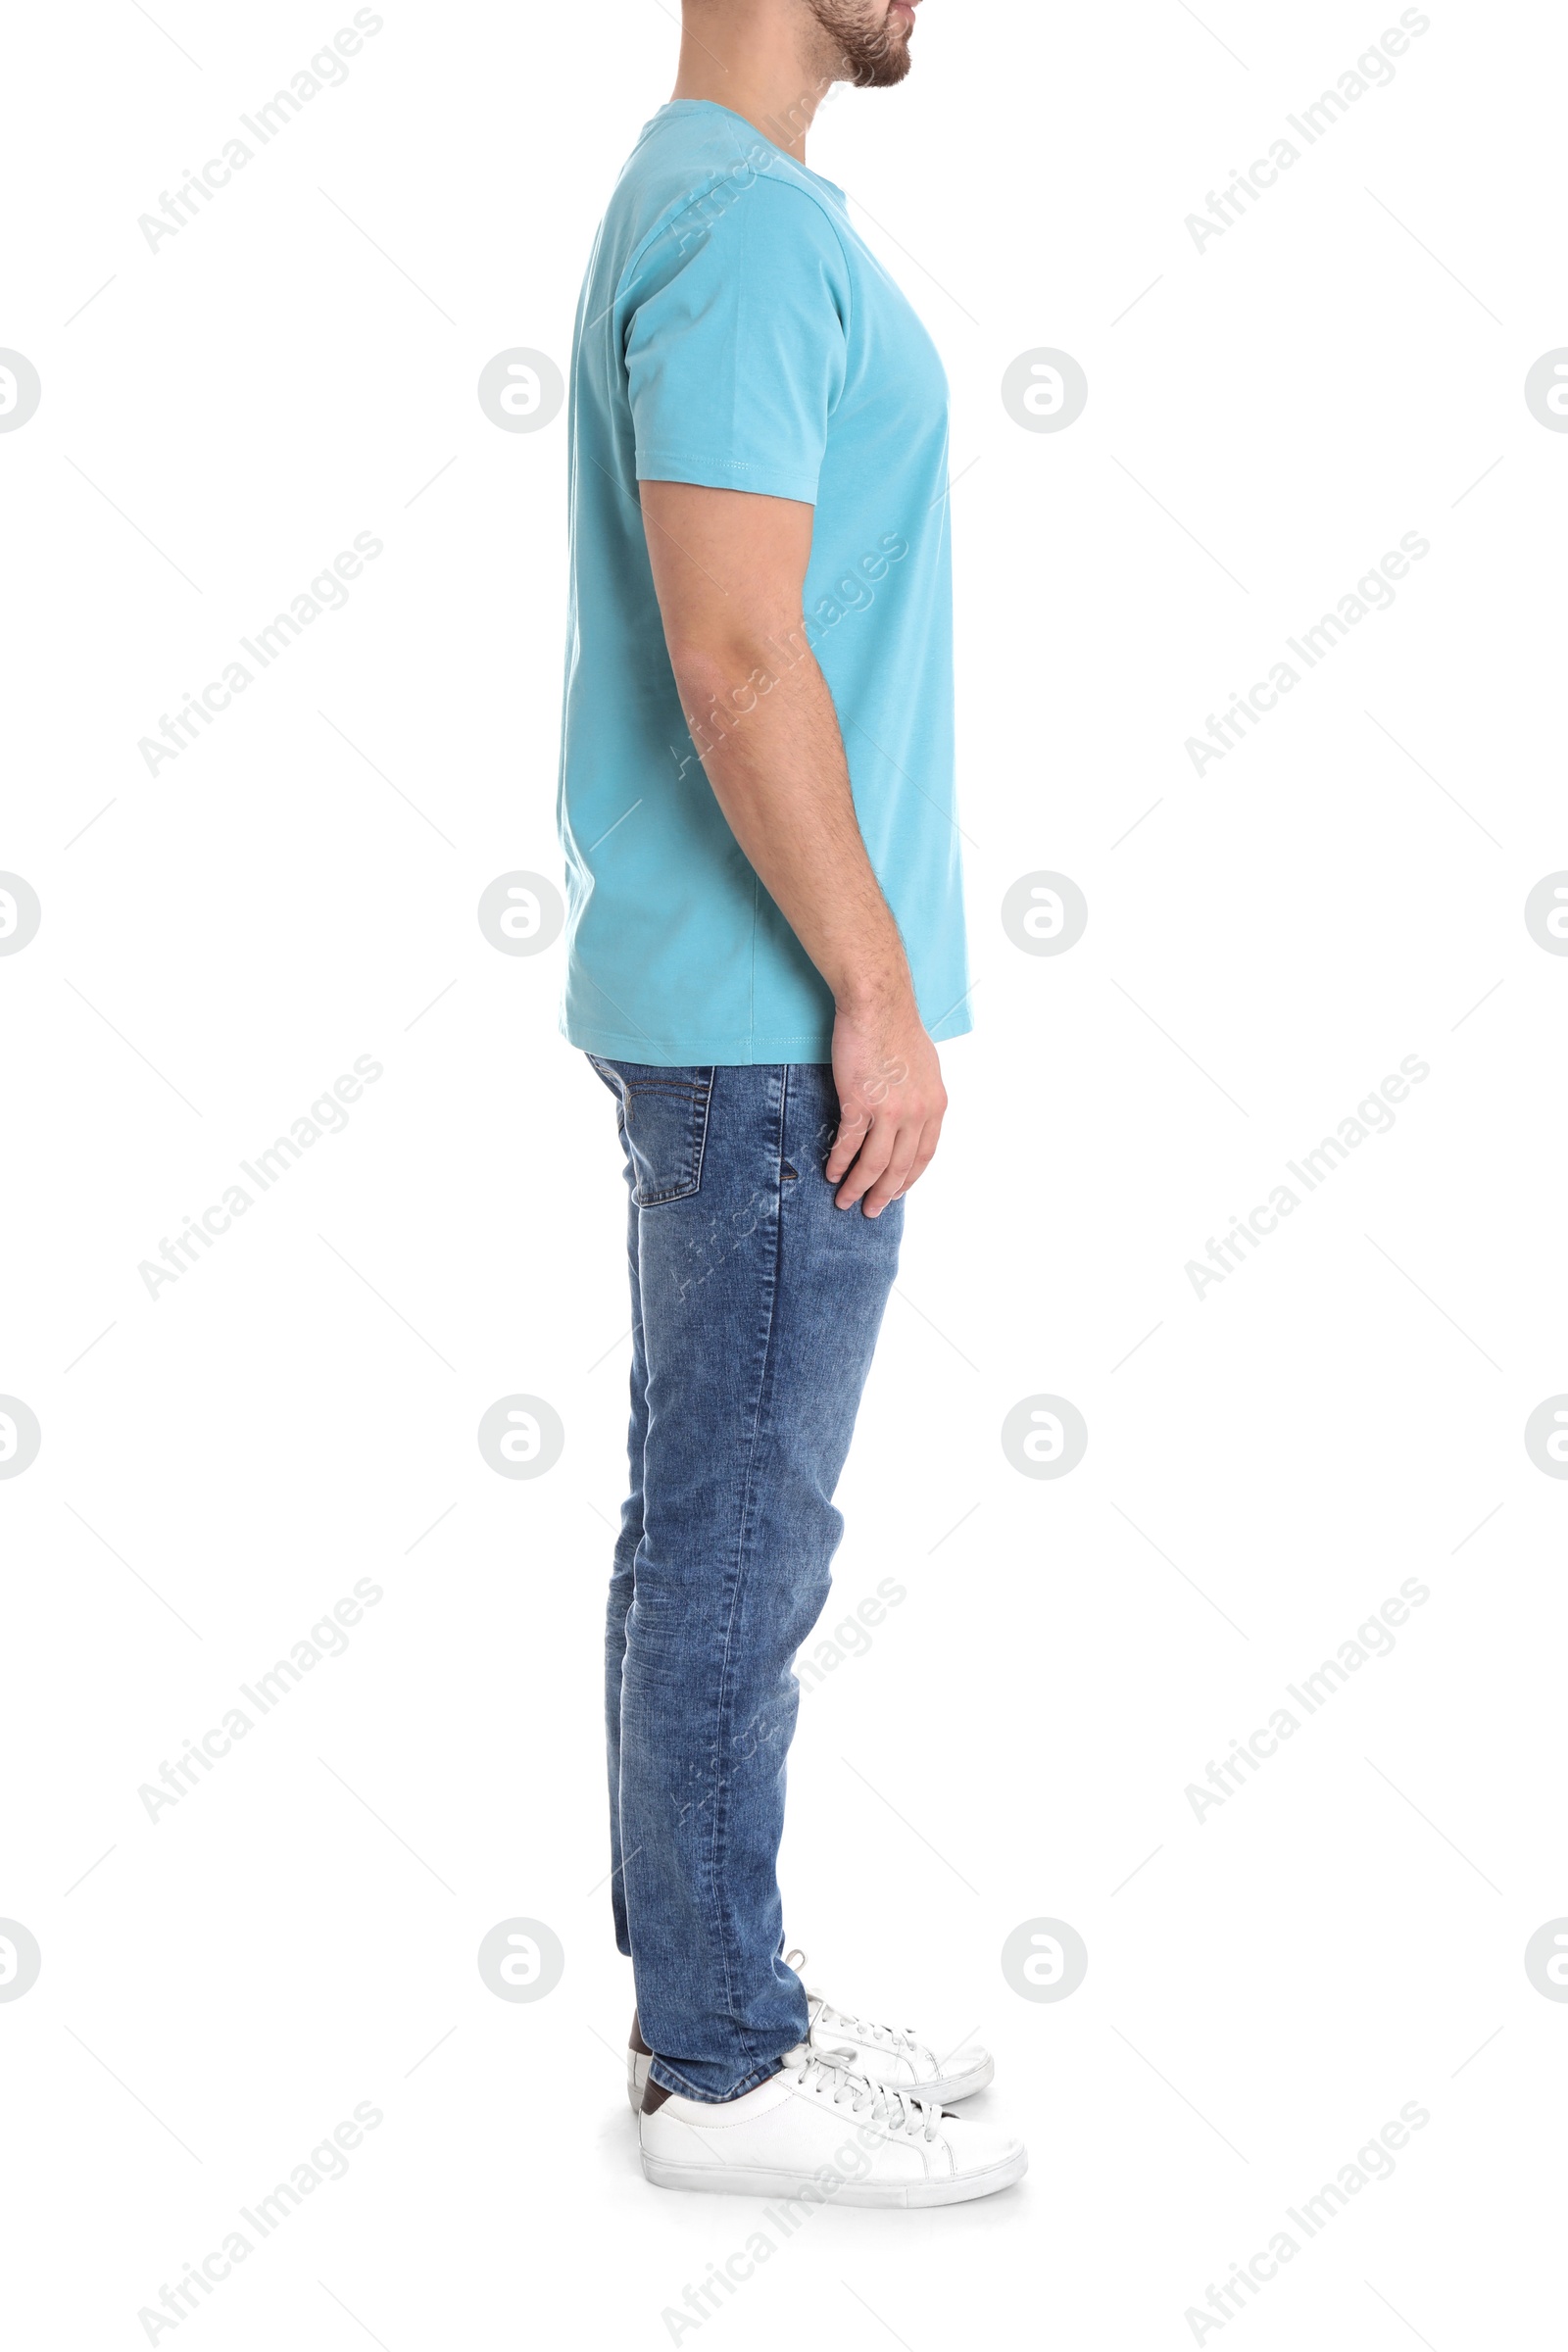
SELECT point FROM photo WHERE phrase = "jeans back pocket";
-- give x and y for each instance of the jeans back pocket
(663, 1123)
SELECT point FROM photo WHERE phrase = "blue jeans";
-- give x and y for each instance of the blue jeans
(755, 1307)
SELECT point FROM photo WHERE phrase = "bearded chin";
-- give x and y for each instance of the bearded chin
(875, 56)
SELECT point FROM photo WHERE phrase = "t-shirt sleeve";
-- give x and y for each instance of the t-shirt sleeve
(735, 343)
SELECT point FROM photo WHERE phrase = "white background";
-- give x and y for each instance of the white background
(220, 1464)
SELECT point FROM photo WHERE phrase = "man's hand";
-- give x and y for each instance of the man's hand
(891, 1104)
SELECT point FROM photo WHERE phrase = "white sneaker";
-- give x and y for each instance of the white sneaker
(819, 2133)
(894, 2055)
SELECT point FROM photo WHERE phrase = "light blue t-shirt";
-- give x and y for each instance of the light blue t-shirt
(735, 331)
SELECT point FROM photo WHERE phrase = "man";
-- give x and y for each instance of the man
(766, 942)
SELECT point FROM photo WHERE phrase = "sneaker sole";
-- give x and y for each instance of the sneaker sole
(733, 2182)
(930, 2094)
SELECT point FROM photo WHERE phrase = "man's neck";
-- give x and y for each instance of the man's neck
(758, 68)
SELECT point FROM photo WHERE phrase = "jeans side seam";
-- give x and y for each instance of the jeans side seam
(722, 1710)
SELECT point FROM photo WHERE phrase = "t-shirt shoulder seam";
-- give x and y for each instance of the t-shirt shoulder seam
(814, 196)
(666, 222)
(801, 187)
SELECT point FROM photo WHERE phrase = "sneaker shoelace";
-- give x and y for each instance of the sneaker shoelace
(831, 2073)
(897, 2041)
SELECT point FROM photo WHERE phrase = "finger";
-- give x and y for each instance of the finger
(853, 1131)
(845, 1149)
(896, 1175)
(930, 1137)
(925, 1152)
(924, 1156)
(870, 1160)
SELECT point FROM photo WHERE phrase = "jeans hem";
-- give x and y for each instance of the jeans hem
(660, 2074)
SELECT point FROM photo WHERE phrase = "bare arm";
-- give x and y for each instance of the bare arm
(729, 568)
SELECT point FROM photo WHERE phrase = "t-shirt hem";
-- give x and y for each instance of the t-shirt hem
(697, 1051)
(688, 1053)
(710, 474)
